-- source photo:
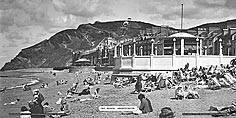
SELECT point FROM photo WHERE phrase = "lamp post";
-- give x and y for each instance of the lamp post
(205, 50)
(115, 51)
(197, 46)
(200, 41)
(134, 48)
(129, 50)
(152, 50)
(155, 50)
(174, 51)
(141, 50)
(122, 50)
(228, 45)
(100, 55)
(220, 40)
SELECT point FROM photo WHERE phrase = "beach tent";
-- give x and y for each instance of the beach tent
(82, 62)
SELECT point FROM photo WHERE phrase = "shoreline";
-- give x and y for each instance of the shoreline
(28, 76)
(31, 75)
(30, 83)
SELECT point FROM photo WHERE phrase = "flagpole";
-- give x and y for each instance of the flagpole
(182, 13)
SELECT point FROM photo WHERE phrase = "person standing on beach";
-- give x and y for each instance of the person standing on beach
(40, 96)
(138, 85)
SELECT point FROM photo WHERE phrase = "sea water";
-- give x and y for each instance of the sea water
(12, 81)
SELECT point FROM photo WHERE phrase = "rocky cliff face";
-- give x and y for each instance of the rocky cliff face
(57, 50)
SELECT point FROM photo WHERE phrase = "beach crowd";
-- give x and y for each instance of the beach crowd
(185, 81)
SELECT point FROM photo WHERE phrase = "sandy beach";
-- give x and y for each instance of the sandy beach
(111, 96)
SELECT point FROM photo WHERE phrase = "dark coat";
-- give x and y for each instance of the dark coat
(36, 108)
(138, 86)
(145, 105)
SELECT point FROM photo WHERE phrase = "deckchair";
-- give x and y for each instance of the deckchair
(224, 82)
(228, 78)
(216, 81)
(231, 77)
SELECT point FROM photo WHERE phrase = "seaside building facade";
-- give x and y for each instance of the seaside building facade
(165, 48)
(157, 52)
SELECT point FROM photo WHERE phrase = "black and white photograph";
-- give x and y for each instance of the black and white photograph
(117, 58)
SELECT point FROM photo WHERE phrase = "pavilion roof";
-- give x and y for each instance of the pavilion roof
(182, 35)
(82, 60)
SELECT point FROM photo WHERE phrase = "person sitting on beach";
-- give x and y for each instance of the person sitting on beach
(26, 87)
(64, 108)
(85, 92)
(96, 95)
(23, 110)
(166, 112)
(74, 87)
(4, 89)
(145, 105)
(44, 85)
(58, 102)
(13, 103)
(85, 82)
(178, 93)
(40, 96)
(231, 109)
(47, 109)
(192, 93)
(72, 90)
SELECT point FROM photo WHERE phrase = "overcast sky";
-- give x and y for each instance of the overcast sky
(27, 22)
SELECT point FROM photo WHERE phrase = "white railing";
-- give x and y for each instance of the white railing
(169, 62)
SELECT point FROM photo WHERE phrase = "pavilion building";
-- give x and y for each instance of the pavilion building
(165, 53)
